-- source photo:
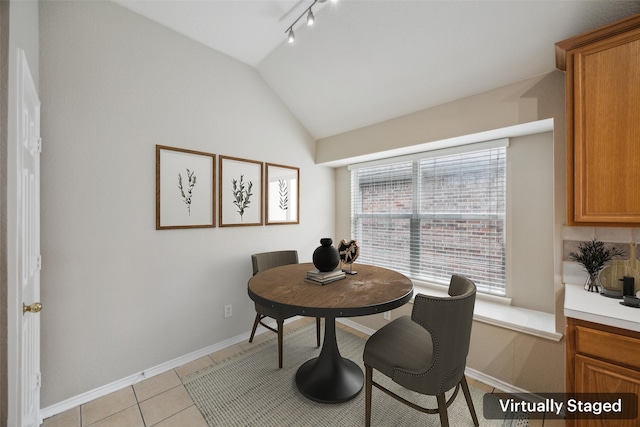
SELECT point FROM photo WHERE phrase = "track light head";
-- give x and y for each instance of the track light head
(310, 20)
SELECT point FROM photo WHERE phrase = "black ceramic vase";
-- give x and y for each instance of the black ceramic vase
(326, 257)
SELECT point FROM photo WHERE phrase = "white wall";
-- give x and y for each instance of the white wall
(120, 296)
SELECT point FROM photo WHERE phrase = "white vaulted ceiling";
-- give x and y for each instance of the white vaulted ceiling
(367, 61)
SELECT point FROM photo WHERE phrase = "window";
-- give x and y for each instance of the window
(435, 214)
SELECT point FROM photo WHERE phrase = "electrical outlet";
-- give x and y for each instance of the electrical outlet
(228, 310)
(387, 315)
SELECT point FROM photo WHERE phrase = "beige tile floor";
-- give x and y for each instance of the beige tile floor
(162, 401)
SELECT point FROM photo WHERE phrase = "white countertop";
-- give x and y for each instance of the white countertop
(593, 307)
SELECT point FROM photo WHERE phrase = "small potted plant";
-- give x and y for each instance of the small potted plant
(593, 256)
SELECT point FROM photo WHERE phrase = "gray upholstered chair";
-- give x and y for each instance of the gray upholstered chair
(426, 352)
(264, 261)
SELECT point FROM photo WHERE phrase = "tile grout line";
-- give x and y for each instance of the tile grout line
(135, 394)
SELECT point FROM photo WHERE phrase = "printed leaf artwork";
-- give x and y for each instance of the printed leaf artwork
(188, 195)
(284, 195)
(241, 194)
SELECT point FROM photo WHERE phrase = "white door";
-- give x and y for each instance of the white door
(28, 242)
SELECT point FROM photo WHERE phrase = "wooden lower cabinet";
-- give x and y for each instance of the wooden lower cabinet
(595, 375)
(602, 359)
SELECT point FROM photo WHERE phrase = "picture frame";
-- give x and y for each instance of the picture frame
(185, 188)
(282, 194)
(240, 192)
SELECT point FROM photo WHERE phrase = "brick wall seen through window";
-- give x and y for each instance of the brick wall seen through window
(433, 217)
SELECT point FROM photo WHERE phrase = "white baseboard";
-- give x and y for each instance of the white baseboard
(130, 380)
(356, 326)
(493, 382)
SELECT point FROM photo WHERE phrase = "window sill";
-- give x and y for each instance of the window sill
(497, 312)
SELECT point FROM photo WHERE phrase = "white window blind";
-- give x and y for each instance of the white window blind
(434, 215)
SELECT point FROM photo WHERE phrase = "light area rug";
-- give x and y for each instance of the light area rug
(248, 389)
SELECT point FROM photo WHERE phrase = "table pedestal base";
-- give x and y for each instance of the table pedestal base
(330, 378)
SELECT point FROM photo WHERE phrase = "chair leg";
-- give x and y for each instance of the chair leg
(368, 389)
(318, 330)
(467, 396)
(255, 326)
(280, 333)
(442, 410)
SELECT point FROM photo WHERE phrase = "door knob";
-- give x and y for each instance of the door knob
(33, 308)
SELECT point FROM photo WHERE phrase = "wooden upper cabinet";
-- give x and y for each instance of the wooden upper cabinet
(603, 124)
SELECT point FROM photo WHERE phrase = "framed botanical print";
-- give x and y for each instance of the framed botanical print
(240, 192)
(283, 194)
(185, 188)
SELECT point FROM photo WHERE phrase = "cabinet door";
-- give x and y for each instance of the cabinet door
(595, 376)
(606, 126)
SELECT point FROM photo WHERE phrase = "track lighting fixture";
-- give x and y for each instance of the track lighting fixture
(310, 20)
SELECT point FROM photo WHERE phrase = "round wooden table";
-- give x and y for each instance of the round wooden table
(330, 378)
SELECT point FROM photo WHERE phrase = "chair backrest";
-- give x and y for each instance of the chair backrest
(449, 321)
(266, 260)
